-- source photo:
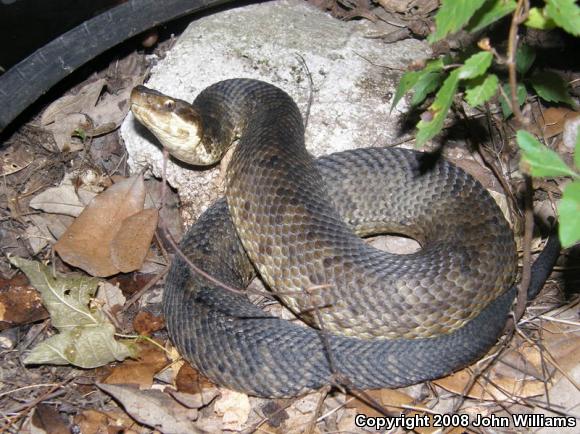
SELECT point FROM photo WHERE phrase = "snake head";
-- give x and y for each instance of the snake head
(175, 123)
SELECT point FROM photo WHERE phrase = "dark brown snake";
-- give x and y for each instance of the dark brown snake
(387, 320)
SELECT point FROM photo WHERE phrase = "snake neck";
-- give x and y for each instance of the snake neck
(230, 108)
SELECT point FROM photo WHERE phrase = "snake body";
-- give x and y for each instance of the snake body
(377, 319)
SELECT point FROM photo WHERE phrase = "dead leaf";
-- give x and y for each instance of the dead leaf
(154, 408)
(189, 380)
(86, 337)
(497, 388)
(197, 400)
(139, 372)
(47, 420)
(86, 97)
(145, 323)
(45, 229)
(97, 422)
(65, 128)
(20, 303)
(553, 119)
(15, 158)
(111, 298)
(65, 199)
(87, 242)
(131, 244)
(234, 407)
(112, 108)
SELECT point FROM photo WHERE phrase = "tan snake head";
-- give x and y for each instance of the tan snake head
(174, 122)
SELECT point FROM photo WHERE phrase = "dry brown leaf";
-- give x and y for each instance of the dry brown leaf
(64, 128)
(20, 303)
(145, 323)
(139, 372)
(197, 400)
(45, 229)
(189, 380)
(65, 199)
(87, 97)
(562, 342)
(503, 388)
(234, 407)
(154, 408)
(14, 159)
(97, 422)
(47, 420)
(553, 119)
(131, 243)
(111, 298)
(87, 242)
(108, 114)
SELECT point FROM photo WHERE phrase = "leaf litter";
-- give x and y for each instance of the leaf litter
(86, 336)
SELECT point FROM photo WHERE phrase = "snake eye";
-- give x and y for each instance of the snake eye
(169, 104)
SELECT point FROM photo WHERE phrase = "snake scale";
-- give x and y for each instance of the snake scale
(377, 319)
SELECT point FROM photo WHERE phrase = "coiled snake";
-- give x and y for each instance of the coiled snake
(377, 319)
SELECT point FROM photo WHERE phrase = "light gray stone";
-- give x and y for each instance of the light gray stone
(353, 77)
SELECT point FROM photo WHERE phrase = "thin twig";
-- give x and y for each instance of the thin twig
(519, 16)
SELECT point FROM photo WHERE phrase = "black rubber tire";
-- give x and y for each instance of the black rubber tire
(25, 82)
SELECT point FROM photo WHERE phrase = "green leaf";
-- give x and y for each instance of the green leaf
(427, 83)
(86, 337)
(566, 14)
(568, 212)
(406, 83)
(550, 87)
(525, 57)
(539, 160)
(476, 65)
(490, 12)
(452, 15)
(521, 93)
(410, 78)
(538, 20)
(481, 90)
(577, 149)
(438, 109)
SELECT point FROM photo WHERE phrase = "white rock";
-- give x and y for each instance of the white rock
(354, 79)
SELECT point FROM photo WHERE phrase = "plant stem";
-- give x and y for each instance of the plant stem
(519, 16)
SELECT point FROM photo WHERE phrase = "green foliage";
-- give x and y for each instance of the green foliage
(568, 212)
(481, 80)
(566, 14)
(537, 19)
(539, 160)
(550, 87)
(432, 122)
(452, 16)
(415, 80)
(521, 94)
(476, 65)
(489, 13)
(525, 56)
(426, 84)
(481, 90)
